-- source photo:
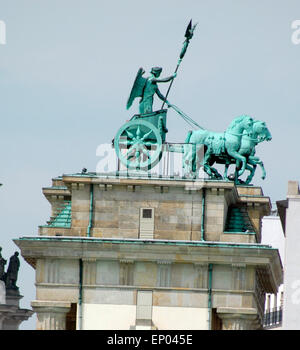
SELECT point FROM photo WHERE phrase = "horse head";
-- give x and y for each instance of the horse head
(247, 123)
(260, 129)
(241, 123)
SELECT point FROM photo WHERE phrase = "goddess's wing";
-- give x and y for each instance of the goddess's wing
(137, 88)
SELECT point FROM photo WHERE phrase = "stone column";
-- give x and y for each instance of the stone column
(51, 315)
(238, 319)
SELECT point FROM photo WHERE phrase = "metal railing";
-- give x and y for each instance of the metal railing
(273, 318)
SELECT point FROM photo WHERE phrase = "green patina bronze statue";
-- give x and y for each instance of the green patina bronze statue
(146, 88)
(216, 144)
(235, 146)
(140, 142)
(258, 134)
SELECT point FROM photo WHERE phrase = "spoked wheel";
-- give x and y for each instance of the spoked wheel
(138, 145)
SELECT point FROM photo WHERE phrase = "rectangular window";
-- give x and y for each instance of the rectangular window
(147, 213)
(146, 223)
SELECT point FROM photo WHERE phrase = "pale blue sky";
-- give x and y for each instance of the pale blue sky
(68, 66)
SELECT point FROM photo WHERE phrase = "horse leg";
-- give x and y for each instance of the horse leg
(252, 172)
(226, 171)
(248, 167)
(236, 174)
(216, 174)
(237, 168)
(219, 176)
(256, 161)
(238, 157)
(206, 164)
(261, 164)
(244, 163)
(227, 164)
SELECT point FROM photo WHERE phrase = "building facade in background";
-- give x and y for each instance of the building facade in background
(273, 234)
(289, 212)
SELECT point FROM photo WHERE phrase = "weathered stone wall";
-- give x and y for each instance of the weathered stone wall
(177, 209)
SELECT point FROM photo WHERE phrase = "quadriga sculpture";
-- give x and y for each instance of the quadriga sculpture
(141, 141)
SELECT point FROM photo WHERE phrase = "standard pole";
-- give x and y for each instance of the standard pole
(188, 36)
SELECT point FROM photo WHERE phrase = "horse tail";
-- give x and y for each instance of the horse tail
(187, 140)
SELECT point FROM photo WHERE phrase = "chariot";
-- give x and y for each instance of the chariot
(140, 142)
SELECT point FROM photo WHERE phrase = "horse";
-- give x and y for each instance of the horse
(259, 133)
(216, 144)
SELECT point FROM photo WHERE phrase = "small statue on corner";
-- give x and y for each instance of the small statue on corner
(2, 265)
(12, 272)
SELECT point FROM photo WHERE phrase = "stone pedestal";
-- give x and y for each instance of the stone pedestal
(11, 315)
(17, 316)
(6, 312)
(51, 315)
(14, 320)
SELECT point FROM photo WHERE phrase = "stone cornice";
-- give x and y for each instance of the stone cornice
(239, 193)
(262, 256)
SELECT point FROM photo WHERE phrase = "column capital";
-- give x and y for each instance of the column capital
(51, 315)
(238, 318)
(54, 306)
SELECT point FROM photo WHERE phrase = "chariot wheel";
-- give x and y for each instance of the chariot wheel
(138, 145)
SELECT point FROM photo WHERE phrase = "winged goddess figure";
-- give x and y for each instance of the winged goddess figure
(146, 88)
